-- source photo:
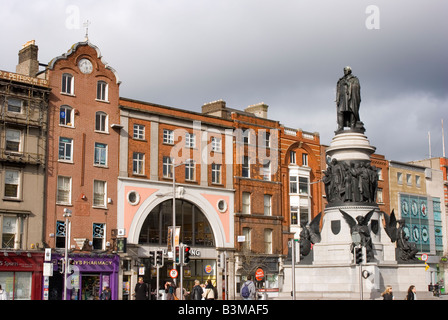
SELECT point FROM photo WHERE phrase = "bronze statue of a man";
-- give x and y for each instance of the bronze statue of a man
(348, 99)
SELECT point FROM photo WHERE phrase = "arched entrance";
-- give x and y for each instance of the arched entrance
(195, 228)
(196, 231)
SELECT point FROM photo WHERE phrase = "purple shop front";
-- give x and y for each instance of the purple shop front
(92, 273)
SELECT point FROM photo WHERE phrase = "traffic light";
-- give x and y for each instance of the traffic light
(61, 265)
(159, 258)
(177, 254)
(70, 268)
(358, 255)
(187, 254)
(152, 258)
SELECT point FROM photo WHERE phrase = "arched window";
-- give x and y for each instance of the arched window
(66, 116)
(194, 226)
(102, 91)
(67, 85)
(101, 120)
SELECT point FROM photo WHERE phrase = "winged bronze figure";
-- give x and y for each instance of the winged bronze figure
(309, 235)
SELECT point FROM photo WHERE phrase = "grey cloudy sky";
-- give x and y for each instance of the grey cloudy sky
(288, 54)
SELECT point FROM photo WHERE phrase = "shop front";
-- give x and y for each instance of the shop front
(92, 273)
(21, 274)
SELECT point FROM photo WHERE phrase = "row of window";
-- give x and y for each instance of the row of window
(246, 202)
(65, 152)
(247, 244)
(67, 119)
(409, 179)
(64, 192)
(68, 87)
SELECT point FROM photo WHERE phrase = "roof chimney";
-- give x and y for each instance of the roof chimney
(259, 109)
(28, 63)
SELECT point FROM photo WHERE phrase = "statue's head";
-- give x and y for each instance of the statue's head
(360, 219)
(347, 70)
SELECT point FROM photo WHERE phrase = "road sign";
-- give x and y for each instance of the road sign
(424, 257)
(259, 274)
(173, 273)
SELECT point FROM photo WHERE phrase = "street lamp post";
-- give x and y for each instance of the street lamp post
(173, 245)
(67, 215)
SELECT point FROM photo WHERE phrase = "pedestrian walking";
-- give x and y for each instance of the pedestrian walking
(209, 292)
(387, 294)
(412, 295)
(105, 294)
(141, 290)
(248, 289)
(197, 291)
(169, 290)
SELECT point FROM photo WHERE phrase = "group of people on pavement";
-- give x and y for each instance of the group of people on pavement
(411, 295)
(204, 291)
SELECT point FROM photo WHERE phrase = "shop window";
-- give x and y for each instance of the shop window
(17, 285)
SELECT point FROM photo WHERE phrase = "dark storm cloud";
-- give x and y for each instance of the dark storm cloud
(288, 54)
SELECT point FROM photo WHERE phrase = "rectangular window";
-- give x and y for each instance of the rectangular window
(9, 232)
(216, 144)
(380, 173)
(305, 159)
(246, 133)
(267, 198)
(246, 167)
(101, 91)
(12, 183)
(101, 121)
(99, 193)
(409, 179)
(379, 195)
(65, 149)
(246, 202)
(189, 170)
(399, 178)
(190, 140)
(168, 136)
(303, 185)
(67, 83)
(13, 140)
(304, 215)
(417, 181)
(15, 105)
(292, 157)
(268, 241)
(64, 190)
(267, 139)
(293, 184)
(98, 236)
(167, 167)
(294, 214)
(266, 172)
(139, 131)
(138, 163)
(100, 158)
(247, 245)
(216, 173)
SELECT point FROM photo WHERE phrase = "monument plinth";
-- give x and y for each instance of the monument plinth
(352, 218)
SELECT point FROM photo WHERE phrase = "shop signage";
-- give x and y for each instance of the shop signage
(259, 274)
(23, 78)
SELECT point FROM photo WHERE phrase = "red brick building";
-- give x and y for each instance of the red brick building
(302, 188)
(82, 161)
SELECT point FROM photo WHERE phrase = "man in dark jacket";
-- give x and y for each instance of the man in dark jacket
(141, 290)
